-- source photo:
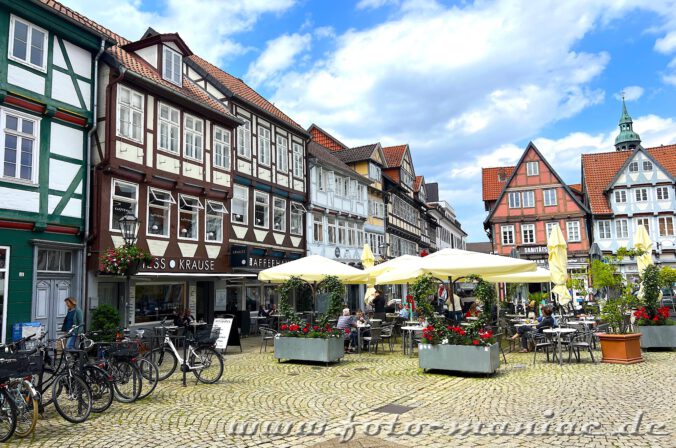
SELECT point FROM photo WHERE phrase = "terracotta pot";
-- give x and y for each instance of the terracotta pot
(621, 348)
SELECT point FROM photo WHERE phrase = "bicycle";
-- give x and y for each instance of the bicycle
(202, 358)
(149, 371)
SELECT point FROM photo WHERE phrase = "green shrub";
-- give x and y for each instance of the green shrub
(106, 322)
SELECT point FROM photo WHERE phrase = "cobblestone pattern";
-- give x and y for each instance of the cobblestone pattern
(256, 389)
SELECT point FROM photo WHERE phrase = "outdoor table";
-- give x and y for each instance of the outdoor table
(360, 328)
(410, 329)
(465, 324)
(559, 332)
(411, 322)
(472, 318)
(256, 319)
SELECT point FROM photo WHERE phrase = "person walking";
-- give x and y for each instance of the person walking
(73, 319)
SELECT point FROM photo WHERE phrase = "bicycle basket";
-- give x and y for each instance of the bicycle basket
(12, 365)
(206, 334)
(32, 364)
(123, 349)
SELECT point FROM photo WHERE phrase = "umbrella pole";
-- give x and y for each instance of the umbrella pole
(451, 291)
(313, 287)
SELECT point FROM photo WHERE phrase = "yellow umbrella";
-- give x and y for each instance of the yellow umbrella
(367, 260)
(313, 269)
(540, 275)
(643, 243)
(558, 264)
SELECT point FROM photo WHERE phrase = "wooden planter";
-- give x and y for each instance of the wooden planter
(309, 349)
(658, 336)
(459, 358)
(621, 348)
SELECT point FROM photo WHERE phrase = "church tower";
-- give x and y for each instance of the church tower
(627, 139)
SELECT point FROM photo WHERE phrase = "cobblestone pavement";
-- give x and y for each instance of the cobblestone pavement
(281, 401)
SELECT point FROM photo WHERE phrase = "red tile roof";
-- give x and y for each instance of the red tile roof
(86, 22)
(325, 139)
(394, 155)
(576, 188)
(393, 174)
(599, 169)
(490, 180)
(416, 184)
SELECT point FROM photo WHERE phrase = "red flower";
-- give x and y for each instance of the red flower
(305, 330)
(284, 327)
(347, 331)
(475, 342)
(655, 319)
(316, 327)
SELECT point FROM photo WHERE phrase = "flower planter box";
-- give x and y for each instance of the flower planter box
(621, 348)
(658, 336)
(460, 358)
(309, 349)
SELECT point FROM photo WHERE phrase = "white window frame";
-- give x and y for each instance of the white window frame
(266, 204)
(622, 229)
(222, 148)
(170, 125)
(530, 203)
(547, 195)
(525, 228)
(297, 212)
(264, 148)
(244, 138)
(112, 226)
(633, 167)
(662, 193)
(317, 228)
(282, 153)
(503, 233)
(514, 199)
(195, 211)
(5, 290)
(331, 230)
(195, 136)
(165, 206)
(297, 160)
(133, 112)
(620, 196)
(548, 228)
(645, 222)
(244, 198)
(605, 229)
(647, 163)
(20, 137)
(641, 195)
(532, 168)
(214, 210)
(375, 172)
(666, 220)
(169, 72)
(575, 235)
(275, 207)
(29, 46)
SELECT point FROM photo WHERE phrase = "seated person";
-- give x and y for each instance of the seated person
(345, 323)
(262, 312)
(403, 312)
(546, 321)
(473, 311)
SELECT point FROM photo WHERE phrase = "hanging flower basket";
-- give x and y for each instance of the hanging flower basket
(124, 260)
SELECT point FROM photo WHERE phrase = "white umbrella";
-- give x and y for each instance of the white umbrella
(540, 275)
(313, 269)
(558, 264)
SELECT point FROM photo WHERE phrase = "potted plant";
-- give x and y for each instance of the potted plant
(471, 349)
(657, 330)
(301, 341)
(105, 323)
(124, 260)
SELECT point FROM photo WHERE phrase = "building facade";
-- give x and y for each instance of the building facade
(449, 233)
(47, 87)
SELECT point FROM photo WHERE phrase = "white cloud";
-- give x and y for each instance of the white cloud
(666, 44)
(279, 54)
(375, 4)
(324, 32)
(631, 93)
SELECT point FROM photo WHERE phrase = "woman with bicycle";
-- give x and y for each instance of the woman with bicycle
(73, 319)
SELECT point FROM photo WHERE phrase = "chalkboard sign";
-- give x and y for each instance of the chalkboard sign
(224, 325)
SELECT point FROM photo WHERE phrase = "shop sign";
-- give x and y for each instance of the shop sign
(181, 264)
(265, 262)
(533, 249)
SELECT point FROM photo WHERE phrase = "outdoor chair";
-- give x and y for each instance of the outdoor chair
(387, 334)
(374, 338)
(542, 344)
(603, 328)
(498, 338)
(581, 341)
(267, 334)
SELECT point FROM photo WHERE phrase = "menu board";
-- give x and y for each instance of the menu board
(225, 326)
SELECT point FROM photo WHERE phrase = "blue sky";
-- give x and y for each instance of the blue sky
(466, 84)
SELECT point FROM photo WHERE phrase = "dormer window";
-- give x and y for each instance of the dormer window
(171, 66)
(647, 165)
(633, 167)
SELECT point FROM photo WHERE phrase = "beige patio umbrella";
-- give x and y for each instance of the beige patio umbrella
(558, 264)
(643, 243)
(540, 275)
(367, 260)
(313, 269)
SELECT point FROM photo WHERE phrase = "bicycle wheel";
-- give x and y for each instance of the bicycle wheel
(7, 416)
(101, 387)
(150, 376)
(126, 380)
(210, 364)
(165, 360)
(26, 410)
(72, 397)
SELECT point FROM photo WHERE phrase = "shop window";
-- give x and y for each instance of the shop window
(154, 302)
(261, 209)
(159, 211)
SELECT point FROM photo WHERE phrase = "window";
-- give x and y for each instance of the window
(244, 139)
(605, 230)
(169, 125)
(620, 196)
(532, 168)
(662, 193)
(666, 225)
(528, 233)
(507, 233)
(155, 301)
(621, 229)
(633, 167)
(28, 44)
(221, 148)
(240, 205)
(404, 210)
(641, 194)
(317, 227)
(361, 192)
(375, 172)
(342, 235)
(514, 199)
(549, 227)
(129, 114)
(549, 196)
(406, 178)
(297, 160)
(261, 209)
(124, 202)
(213, 229)
(279, 214)
(645, 222)
(188, 217)
(297, 211)
(528, 199)
(332, 229)
(193, 137)
(351, 240)
(171, 66)
(159, 212)
(264, 146)
(4, 277)
(647, 165)
(341, 186)
(19, 150)
(52, 260)
(376, 209)
(573, 231)
(282, 153)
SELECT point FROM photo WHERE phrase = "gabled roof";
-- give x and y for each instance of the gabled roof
(327, 157)
(152, 37)
(394, 155)
(325, 139)
(600, 170)
(490, 181)
(241, 90)
(417, 183)
(361, 153)
(577, 188)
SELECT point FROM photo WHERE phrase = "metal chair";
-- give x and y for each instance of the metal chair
(267, 334)
(542, 343)
(387, 335)
(581, 341)
(374, 338)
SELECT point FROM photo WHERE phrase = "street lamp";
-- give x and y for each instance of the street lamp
(129, 225)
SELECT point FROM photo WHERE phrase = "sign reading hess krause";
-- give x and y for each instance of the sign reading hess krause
(171, 264)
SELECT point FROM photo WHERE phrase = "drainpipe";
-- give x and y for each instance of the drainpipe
(83, 299)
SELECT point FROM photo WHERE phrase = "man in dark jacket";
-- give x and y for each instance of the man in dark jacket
(379, 304)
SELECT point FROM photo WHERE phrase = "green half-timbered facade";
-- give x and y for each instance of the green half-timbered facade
(47, 86)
